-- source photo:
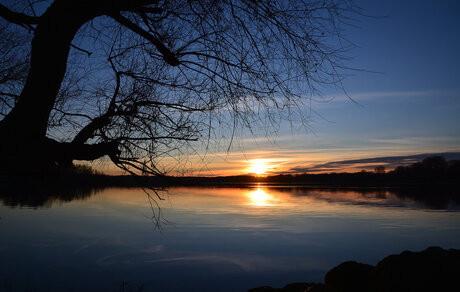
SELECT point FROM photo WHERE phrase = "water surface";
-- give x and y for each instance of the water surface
(215, 239)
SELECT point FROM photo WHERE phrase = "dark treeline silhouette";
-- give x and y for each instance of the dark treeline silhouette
(429, 171)
(432, 181)
(432, 168)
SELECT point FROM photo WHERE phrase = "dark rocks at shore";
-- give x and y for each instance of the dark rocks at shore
(434, 269)
(293, 287)
(349, 277)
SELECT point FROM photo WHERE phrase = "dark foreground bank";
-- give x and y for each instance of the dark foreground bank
(434, 269)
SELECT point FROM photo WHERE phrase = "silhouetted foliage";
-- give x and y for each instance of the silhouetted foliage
(431, 167)
(143, 80)
(428, 171)
(292, 287)
(349, 277)
(426, 187)
(434, 269)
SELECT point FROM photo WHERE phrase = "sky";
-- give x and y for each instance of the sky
(405, 99)
(401, 103)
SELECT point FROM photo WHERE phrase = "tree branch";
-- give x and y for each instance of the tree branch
(66, 152)
(21, 19)
(168, 56)
(98, 123)
(88, 131)
(81, 50)
(149, 10)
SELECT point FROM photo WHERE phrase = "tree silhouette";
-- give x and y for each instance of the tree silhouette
(141, 80)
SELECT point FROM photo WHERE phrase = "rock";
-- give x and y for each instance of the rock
(318, 287)
(434, 269)
(292, 287)
(349, 277)
(263, 289)
(297, 287)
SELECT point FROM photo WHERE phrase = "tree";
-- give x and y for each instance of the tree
(139, 80)
(379, 169)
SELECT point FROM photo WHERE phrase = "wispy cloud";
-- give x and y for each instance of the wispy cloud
(360, 98)
(380, 94)
(370, 163)
(418, 140)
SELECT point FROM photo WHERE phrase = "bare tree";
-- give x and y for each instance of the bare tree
(141, 80)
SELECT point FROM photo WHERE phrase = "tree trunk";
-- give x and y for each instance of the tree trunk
(50, 49)
(23, 131)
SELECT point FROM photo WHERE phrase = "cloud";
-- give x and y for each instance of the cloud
(370, 163)
(362, 98)
(418, 140)
(398, 94)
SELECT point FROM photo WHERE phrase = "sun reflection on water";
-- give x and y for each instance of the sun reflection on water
(260, 198)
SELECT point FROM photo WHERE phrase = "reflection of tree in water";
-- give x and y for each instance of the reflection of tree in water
(43, 195)
(442, 198)
(431, 198)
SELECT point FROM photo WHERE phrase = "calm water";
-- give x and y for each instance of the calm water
(216, 239)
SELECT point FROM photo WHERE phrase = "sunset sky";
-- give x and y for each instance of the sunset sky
(406, 99)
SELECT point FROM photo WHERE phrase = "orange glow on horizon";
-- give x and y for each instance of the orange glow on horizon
(261, 163)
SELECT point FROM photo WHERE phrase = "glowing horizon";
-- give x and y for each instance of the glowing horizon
(296, 163)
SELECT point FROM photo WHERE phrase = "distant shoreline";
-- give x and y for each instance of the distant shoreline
(37, 192)
(335, 180)
(331, 180)
(433, 269)
(430, 172)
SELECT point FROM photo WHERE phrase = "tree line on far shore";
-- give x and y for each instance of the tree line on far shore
(416, 181)
(430, 170)
(434, 169)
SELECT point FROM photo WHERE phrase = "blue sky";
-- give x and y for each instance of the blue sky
(405, 98)
(411, 106)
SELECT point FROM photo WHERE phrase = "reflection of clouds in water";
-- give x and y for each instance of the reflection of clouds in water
(83, 247)
(223, 262)
(357, 198)
(173, 258)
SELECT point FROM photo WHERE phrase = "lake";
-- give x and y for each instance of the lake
(209, 239)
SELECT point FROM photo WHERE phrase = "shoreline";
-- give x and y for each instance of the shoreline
(433, 269)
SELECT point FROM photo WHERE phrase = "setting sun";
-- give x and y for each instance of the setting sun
(259, 166)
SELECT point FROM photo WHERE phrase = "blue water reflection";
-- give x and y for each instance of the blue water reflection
(216, 239)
